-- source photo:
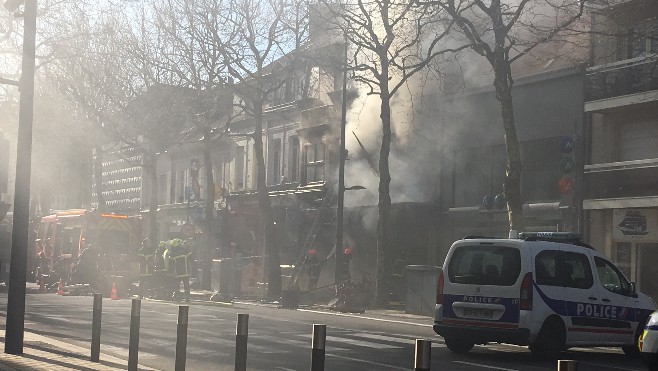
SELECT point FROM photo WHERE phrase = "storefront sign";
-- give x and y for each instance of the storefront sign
(635, 224)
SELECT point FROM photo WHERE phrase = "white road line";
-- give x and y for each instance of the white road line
(288, 341)
(385, 338)
(486, 366)
(365, 317)
(381, 365)
(360, 343)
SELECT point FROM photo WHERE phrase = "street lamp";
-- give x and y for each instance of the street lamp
(16, 297)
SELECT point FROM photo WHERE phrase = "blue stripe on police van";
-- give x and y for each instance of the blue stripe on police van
(589, 310)
(652, 327)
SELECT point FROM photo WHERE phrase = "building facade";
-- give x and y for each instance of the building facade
(621, 169)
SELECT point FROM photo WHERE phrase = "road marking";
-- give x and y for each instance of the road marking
(486, 366)
(288, 341)
(381, 365)
(385, 338)
(365, 317)
(361, 343)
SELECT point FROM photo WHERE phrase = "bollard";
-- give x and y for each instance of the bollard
(318, 345)
(567, 365)
(133, 345)
(423, 355)
(241, 335)
(181, 338)
(96, 328)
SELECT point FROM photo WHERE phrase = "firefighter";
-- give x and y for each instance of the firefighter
(160, 279)
(347, 260)
(179, 260)
(146, 256)
(314, 269)
(87, 267)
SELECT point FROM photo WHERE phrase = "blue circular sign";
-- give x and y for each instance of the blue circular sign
(566, 145)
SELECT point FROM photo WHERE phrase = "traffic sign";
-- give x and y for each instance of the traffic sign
(565, 185)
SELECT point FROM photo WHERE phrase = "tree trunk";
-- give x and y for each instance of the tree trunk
(384, 206)
(209, 240)
(512, 182)
(270, 246)
(98, 175)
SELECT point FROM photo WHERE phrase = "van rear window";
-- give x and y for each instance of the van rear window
(485, 265)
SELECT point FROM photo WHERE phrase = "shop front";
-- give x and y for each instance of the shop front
(629, 236)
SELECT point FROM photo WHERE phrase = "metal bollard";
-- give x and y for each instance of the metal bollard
(423, 355)
(96, 328)
(567, 365)
(181, 338)
(318, 345)
(133, 345)
(241, 335)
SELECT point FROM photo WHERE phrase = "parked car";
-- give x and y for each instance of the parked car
(547, 290)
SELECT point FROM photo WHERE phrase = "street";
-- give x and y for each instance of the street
(279, 339)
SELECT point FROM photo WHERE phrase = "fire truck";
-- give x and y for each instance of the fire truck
(116, 238)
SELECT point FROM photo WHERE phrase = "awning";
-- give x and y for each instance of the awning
(527, 208)
(620, 203)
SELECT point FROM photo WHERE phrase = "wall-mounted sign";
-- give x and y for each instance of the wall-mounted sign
(635, 224)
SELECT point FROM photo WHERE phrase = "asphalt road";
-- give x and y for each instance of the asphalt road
(279, 339)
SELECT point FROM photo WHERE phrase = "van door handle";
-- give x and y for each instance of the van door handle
(592, 298)
(605, 300)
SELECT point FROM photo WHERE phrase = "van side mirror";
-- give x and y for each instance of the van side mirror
(632, 288)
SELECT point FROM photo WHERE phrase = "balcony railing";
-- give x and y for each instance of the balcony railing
(637, 75)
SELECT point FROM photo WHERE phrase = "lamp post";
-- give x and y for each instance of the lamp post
(16, 295)
(338, 275)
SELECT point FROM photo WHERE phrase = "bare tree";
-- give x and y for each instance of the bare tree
(502, 31)
(255, 49)
(387, 46)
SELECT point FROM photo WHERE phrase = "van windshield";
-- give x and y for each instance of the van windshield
(485, 265)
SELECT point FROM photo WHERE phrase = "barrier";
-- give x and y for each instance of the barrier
(567, 365)
(133, 345)
(318, 347)
(181, 338)
(241, 336)
(423, 355)
(96, 328)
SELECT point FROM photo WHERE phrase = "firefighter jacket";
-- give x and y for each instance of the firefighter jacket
(180, 261)
(147, 260)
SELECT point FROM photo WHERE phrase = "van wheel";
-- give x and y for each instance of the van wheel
(633, 350)
(459, 346)
(550, 341)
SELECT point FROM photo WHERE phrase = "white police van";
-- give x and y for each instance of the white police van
(547, 290)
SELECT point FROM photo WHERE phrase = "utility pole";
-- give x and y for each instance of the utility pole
(341, 181)
(16, 298)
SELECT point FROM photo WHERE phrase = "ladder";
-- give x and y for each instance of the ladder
(311, 236)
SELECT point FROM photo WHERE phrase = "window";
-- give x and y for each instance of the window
(611, 278)
(293, 160)
(560, 268)
(275, 162)
(314, 162)
(640, 38)
(485, 265)
(239, 167)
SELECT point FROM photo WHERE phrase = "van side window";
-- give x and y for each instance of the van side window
(610, 277)
(485, 265)
(560, 268)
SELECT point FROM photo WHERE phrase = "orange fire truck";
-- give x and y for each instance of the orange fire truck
(116, 238)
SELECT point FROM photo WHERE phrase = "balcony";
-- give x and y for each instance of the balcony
(632, 76)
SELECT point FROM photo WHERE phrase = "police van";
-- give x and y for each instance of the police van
(547, 290)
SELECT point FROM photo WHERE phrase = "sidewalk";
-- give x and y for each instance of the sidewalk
(47, 354)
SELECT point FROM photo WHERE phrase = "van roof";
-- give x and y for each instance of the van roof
(556, 237)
